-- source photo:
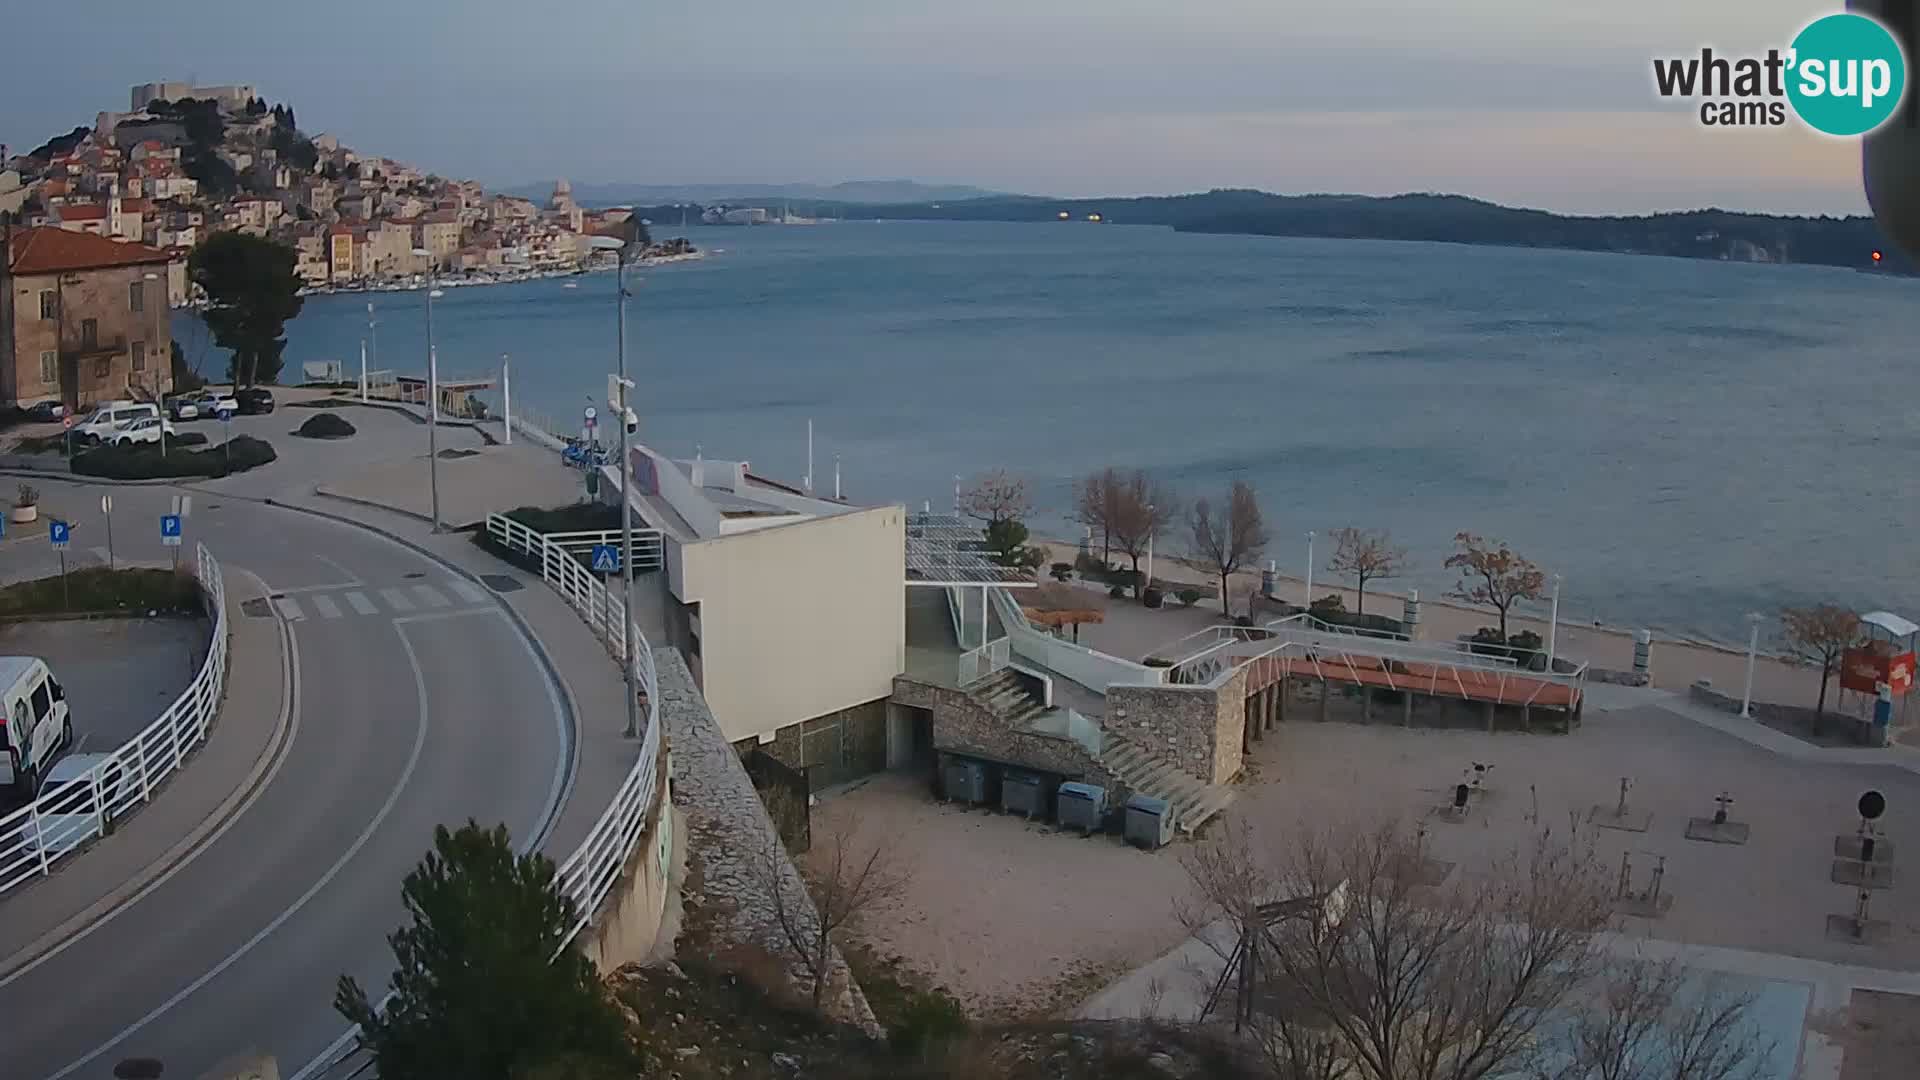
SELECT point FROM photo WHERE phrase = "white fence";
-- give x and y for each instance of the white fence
(1094, 670)
(590, 872)
(648, 553)
(977, 664)
(66, 816)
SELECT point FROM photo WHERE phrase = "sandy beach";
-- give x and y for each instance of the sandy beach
(1676, 665)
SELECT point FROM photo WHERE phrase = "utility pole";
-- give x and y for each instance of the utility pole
(626, 507)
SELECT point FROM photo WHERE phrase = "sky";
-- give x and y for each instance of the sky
(1542, 103)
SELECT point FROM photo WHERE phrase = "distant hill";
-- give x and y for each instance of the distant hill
(1695, 234)
(873, 192)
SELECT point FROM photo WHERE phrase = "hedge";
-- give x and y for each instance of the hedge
(325, 426)
(96, 590)
(145, 462)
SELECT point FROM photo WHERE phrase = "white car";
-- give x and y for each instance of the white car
(106, 422)
(67, 813)
(145, 430)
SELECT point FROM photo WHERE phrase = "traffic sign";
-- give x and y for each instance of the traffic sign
(59, 532)
(106, 504)
(225, 415)
(170, 530)
(66, 421)
(606, 558)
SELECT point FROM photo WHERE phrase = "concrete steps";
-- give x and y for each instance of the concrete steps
(1194, 801)
(1006, 697)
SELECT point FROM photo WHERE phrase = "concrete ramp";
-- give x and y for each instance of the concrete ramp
(473, 483)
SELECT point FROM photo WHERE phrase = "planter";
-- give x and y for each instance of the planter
(23, 515)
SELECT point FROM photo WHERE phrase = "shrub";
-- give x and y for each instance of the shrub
(96, 589)
(1152, 597)
(1155, 661)
(929, 1019)
(1527, 640)
(1486, 641)
(1189, 597)
(1330, 604)
(145, 462)
(1087, 564)
(325, 425)
(1061, 571)
(1118, 592)
(575, 517)
(1243, 620)
(28, 495)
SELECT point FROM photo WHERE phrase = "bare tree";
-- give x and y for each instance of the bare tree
(844, 878)
(1365, 555)
(1821, 635)
(1491, 574)
(1094, 503)
(996, 496)
(1229, 537)
(1142, 510)
(1656, 1020)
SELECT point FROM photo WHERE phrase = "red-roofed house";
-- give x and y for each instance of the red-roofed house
(84, 217)
(83, 318)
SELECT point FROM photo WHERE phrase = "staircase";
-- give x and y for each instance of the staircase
(1004, 695)
(1193, 799)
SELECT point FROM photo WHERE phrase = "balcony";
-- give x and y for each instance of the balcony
(77, 349)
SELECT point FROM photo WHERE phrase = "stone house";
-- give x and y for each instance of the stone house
(83, 318)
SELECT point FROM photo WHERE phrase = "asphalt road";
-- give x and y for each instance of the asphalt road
(417, 703)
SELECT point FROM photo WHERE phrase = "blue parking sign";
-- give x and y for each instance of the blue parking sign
(59, 532)
(170, 529)
(606, 558)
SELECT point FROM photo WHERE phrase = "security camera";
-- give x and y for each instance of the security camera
(1890, 156)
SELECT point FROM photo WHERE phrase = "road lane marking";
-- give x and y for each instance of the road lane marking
(344, 572)
(430, 596)
(325, 606)
(396, 599)
(359, 602)
(468, 591)
(393, 798)
(458, 613)
(289, 608)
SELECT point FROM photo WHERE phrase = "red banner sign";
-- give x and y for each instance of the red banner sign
(1864, 670)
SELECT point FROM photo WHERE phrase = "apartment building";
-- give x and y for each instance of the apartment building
(83, 318)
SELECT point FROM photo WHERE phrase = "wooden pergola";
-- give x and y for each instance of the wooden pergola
(1057, 607)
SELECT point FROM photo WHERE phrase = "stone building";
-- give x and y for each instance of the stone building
(83, 318)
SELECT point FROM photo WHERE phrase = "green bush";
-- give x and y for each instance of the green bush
(96, 589)
(145, 462)
(1152, 597)
(1061, 571)
(1087, 564)
(1189, 597)
(577, 517)
(929, 1019)
(1118, 592)
(1155, 661)
(325, 425)
(1330, 604)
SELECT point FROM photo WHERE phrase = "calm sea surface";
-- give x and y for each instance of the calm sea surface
(1684, 441)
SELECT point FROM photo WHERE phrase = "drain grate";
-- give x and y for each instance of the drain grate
(501, 582)
(256, 608)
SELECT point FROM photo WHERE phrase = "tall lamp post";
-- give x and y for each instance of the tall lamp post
(371, 346)
(433, 390)
(1753, 646)
(624, 255)
(1553, 624)
(1150, 531)
(1309, 603)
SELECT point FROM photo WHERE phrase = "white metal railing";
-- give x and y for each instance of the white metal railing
(1090, 668)
(977, 664)
(648, 548)
(589, 874)
(61, 820)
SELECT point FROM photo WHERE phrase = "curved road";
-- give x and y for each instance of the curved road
(417, 702)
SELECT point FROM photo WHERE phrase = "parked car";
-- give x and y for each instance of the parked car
(47, 410)
(255, 399)
(109, 418)
(144, 430)
(202, 404)
(69, 808)
(35, 725)
(186, 406)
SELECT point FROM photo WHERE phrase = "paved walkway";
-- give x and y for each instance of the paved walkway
(190, 808)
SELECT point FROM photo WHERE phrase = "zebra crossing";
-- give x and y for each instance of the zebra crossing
(350, 602)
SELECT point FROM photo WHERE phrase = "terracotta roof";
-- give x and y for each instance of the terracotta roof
(83, 212)
(53, 250)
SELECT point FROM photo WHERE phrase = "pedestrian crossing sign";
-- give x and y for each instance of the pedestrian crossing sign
(606, 559)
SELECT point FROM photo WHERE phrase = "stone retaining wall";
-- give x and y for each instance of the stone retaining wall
(1197, 729)
(964, 726)
(1789, 716)
(728, 831)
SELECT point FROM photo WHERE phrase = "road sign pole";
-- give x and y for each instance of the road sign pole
(65, 600)
(109, 513)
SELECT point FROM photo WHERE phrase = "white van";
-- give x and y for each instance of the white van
(109, 418)
(34, 724)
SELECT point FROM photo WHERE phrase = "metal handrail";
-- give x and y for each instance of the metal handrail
(50, 828)
(592, 870)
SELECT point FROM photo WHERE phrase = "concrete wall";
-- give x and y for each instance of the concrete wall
(800, 620)
(632, 926)
(963, 725)
(1703, 693)
(1198, 729)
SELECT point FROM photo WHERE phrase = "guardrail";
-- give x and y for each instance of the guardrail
(589, 874)
(63, 818)
(977, 664)
(649, 552)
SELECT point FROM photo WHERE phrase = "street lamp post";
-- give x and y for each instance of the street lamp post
(369, 346)
(1149, 581)
(626, 503)
(1309, 601)
(433, 394)
(1753, 646)
(1553, 625)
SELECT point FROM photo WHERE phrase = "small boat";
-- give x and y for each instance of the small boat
(571, 285)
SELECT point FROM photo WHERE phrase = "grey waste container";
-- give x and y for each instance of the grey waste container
(966, 781)
(1082, 806)
(1149, 821)
(1023, 793)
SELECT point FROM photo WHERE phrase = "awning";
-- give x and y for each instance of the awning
(1891, 623)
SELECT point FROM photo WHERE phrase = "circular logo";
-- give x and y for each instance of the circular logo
(1847, 74)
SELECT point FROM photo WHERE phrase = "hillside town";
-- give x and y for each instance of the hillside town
(186, 161)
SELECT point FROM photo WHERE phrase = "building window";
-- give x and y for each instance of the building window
(49, 304)
(89, 333)
(137, 296)
(103, 367)
(49, 367)
(139, 356)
